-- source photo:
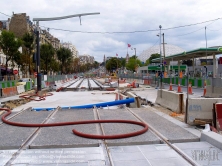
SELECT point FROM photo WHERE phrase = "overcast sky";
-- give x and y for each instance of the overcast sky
(125, 16)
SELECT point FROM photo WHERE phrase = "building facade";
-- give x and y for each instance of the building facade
(75, 53)
(84, 59)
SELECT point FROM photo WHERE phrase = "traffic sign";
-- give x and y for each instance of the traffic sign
(35, 74)
(15, 71)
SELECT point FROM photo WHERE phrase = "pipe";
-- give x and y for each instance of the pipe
(81, 122)
(105, 104)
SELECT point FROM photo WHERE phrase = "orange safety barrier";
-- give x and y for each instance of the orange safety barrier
(190, 89)
(5, 92)
(179, 88)
(133, 85)
(10, 91)
(205, 89)
(181, 74)
(171, 87)
(146, 82)
(165, 74)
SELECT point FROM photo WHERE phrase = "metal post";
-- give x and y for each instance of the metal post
(135, 59)
(38, 59)
(206, 51)
(37, 40)
(185, 117)
(160, 64)
(117, 79)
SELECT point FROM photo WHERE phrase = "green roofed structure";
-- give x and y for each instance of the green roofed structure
(197, 53)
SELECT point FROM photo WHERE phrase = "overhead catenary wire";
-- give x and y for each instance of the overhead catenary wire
(5, 14)
(195, 30)
(139, 31)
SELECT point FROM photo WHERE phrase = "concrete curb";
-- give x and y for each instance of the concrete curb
(212, 138)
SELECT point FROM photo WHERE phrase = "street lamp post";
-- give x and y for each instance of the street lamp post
(160, 64)
(37, 40)
(206, 73)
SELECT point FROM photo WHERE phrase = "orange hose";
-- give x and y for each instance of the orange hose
(81, 122)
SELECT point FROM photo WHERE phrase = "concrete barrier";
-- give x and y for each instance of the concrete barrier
(200, 108)
(20, 89)
(171, 100)
(212, 138)
(214, 91)
(136, 103)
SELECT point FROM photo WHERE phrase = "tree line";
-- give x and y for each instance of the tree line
(132, 64)
(51, 60)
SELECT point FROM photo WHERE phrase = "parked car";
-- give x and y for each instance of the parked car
(23, 81)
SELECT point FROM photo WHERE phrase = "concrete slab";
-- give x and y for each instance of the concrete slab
(147, 93)
(12, 137)
(5, 156)
(145, 155)
(171, 131)
(117, 128)
(68, 99)
(191, 129)
(62, 136)
(69, 156)
(202, 152)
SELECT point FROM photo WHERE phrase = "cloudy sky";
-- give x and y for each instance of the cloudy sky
(141, 18)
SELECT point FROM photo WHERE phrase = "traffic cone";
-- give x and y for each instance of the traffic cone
(171, 87)
(190, 89)
(205, 89)
(179, 88)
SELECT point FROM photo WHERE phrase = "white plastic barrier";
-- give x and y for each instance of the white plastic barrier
(171, 100)
(20, 89)
(200, 108)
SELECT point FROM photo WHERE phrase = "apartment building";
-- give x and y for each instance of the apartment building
(84, 59)
(72, 48)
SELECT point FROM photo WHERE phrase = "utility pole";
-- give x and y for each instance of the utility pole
(37, 34)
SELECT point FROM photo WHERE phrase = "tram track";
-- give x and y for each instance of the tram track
(30, 138)
(165, 140)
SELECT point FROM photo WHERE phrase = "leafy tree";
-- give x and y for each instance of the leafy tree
(46, 53)
(153, 56)
(9, 45)
(112, 64)
(64, 56)
(76, 65)
(54, 65)
(96, 64)
(133, 63)
(147, 62)
(17, 58)
(28, 47)
(123, 62)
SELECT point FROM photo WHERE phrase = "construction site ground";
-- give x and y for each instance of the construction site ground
(59, 146)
